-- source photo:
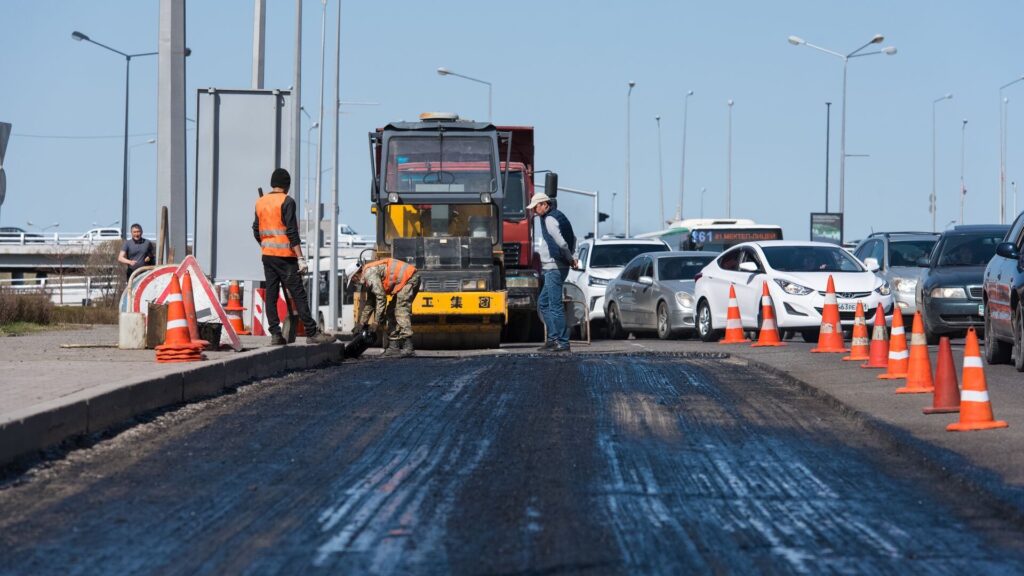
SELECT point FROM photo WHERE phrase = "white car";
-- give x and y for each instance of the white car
(797, 275)
(97, 235)
(601, 260)
(347, 236)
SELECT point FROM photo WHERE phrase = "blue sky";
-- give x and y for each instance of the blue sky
(562, 66)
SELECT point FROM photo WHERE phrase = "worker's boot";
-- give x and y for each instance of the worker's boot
(394, 349)
(277, 340)
(320, 337)
(407, 349)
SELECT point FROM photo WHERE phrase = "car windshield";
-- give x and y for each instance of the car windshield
(908, 252)
(969, 249)
(617, 255)
(811, 259)
(681, 267)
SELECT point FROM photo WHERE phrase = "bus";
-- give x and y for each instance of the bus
(714, 234)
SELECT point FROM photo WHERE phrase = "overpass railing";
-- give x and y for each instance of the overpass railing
(69, 291)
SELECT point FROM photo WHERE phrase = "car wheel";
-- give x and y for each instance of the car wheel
(705, 329)
(664, 324)
(811, 336)
(1018, 335)
(930, 337)
(997, 352)
(615, 331)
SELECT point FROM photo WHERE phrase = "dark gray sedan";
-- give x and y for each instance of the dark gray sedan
(654, 293)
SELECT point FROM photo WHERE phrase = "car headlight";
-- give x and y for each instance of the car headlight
(884, 289)
(471, 284)
(793, 288)
(595, 281)
(948, 293)
(905, 285)
(521, 282)
(684, 299)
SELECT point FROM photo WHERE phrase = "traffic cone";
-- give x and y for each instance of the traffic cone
(830, 336)
(947, 391)
(177, 346)
(898, 354)
(919, 371)
(878, 353)
(859, 345)
(769, 335)
(975, 408)
(234, 309)
(733, 322)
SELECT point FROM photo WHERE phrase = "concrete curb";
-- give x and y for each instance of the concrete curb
(102, 407)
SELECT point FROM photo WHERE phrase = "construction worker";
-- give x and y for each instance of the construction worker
(380, 279)
(277, 231)
(556, 258)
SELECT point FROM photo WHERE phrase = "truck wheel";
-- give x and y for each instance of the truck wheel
(997, 352)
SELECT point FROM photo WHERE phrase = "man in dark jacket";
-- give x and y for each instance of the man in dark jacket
(556, 258)
(276, 229)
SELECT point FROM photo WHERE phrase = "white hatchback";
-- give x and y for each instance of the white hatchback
(797, 276)
(602, 260)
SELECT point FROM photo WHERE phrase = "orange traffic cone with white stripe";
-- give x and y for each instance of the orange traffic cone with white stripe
(234, 309)
(898, 354)
(177, 346)
(975, 407)
(859, 345)
(830, 336)
(769, 335)
(189, 301)
(919, 371)
(878, 352)
(733, 322)
(947, 392)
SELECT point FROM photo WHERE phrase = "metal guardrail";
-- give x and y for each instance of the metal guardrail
(73, 291)
(30, 239)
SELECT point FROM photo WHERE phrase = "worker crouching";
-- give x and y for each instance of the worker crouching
(378, 280)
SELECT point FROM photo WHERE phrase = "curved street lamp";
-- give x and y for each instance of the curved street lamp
(933, 201)
(442, 71)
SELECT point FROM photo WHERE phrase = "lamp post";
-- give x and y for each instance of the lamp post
(127, 75)
(933, 199)
(661, 179)
(889, 51)
(1004, 104)
(828, 137)
(963, 162)
(442, 71)
(1014, 186)
(702, 191)
(728, 181)
(130, 148)
(629, 94)
(614, 194)
(682, 171)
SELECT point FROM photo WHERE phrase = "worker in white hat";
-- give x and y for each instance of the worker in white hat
(556, 258)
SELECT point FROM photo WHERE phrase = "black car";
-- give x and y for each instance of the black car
(949, 295)
(1003, 285)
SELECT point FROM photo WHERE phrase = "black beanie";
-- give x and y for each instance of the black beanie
(281, 179)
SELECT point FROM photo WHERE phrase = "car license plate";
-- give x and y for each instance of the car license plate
(981, 309)
(847, 307)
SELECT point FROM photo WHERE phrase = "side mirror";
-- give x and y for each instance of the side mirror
(646, 280)
(748, 266)
(551, 184)
(1007, 250)
(872, 264)
(923, 261)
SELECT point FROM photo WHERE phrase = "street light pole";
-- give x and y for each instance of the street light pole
(442, 71)
(728, 182)
(889, 51)
(614, 194)
(1003, 113)
(702, 191)
(130, 148)
(127, 79)
(963, 162)
(933, 200)
(828, 129)
(661, 179)
(629, 94)
(682, 174)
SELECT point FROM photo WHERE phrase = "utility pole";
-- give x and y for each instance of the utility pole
(828, 127)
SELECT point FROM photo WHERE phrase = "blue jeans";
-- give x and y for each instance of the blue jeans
(550, 305)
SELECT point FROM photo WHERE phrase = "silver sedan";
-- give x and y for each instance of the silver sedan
(654, 293)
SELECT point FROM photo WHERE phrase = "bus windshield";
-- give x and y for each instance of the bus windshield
(721, 238)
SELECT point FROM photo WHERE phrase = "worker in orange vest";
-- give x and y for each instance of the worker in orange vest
(380, 279)
(277, 231)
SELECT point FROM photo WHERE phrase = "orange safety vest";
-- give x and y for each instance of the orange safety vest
(273, 233)
(396, 273)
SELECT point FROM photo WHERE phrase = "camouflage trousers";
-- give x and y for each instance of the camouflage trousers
(398, 315)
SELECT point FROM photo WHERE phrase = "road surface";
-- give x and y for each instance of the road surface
(512, 464)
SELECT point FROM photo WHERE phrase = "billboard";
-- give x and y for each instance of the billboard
(827, 227)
